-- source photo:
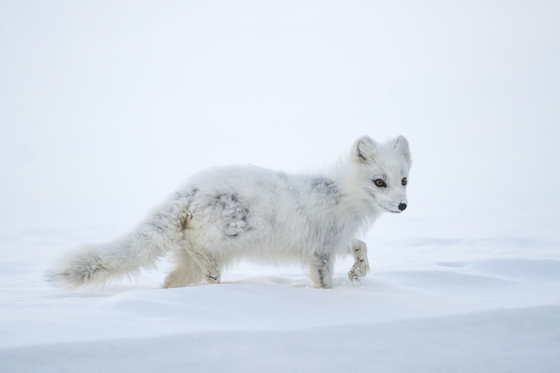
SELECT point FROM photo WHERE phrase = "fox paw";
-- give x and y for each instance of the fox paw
(213, 277)
(358, 271)
(355, 276)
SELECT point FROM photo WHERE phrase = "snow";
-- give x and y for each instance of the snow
(105, 108)
(462, 305)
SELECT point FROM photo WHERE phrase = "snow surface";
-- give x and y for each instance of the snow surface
(429, 305)
(105, 107)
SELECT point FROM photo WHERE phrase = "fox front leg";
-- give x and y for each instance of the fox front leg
(361, 264)
(321, 270)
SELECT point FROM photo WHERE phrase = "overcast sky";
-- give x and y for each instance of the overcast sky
(107, 106)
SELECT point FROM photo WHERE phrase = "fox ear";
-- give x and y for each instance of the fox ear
(400, 144)
(364, 150)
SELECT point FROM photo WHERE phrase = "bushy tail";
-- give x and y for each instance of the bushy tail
(97, 265)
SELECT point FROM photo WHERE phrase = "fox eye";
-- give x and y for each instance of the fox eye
(380, 183)
(404, 181)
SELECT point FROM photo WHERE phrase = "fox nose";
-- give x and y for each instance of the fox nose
(402, 206)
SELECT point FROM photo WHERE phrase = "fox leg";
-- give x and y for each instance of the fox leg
(186, 271)
(321, 270)
(361, 264)
(210, 268)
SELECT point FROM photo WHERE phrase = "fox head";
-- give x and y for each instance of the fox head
(383, 171)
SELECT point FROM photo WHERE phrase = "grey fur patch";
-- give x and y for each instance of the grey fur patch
(234, 214)
(324, 185)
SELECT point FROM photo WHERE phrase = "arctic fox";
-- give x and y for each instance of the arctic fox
(223, 215)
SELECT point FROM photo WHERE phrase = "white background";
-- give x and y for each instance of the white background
(106, 107)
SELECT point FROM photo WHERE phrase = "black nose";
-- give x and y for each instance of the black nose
(402, 206)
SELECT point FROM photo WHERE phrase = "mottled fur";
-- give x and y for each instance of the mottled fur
(226, 214)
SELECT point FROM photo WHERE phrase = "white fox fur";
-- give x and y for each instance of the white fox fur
(226, 214)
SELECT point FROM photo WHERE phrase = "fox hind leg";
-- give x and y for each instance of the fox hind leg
(361, 264)
(210, 267)
(186, 271)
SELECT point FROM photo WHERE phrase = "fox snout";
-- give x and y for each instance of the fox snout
(402, 206)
